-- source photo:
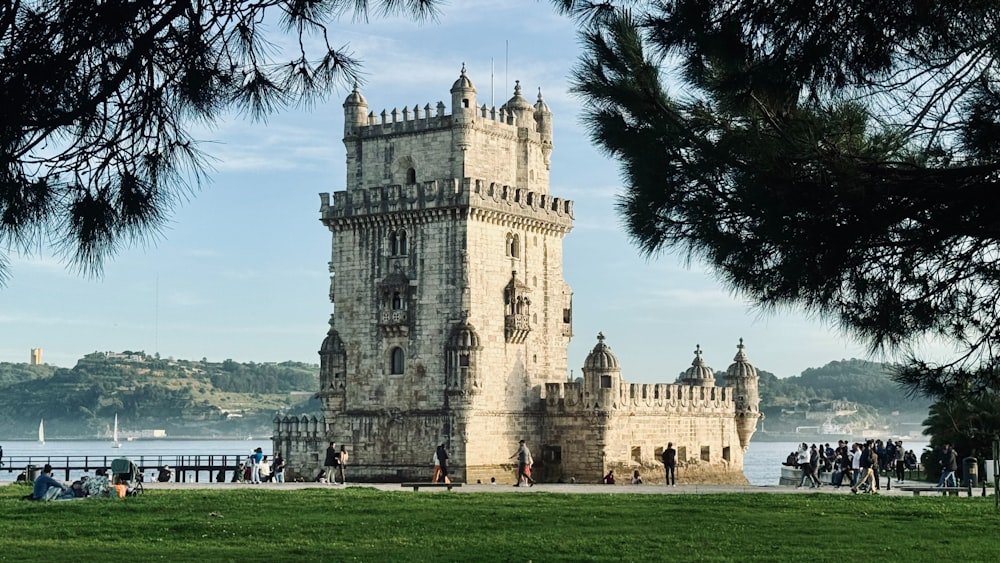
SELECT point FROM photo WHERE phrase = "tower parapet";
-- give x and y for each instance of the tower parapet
(481, 195)
(639, 398)
(301, 440)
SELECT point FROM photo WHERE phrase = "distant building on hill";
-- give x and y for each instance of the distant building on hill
(452, 318)
(36, 356)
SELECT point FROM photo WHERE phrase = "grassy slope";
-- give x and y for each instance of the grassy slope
(367, 525)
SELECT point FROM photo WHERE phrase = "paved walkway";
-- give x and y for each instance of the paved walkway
(550, 488)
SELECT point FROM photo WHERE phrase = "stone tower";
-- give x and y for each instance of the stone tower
(450, 309)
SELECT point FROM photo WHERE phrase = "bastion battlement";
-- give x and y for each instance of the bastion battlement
(639, 398)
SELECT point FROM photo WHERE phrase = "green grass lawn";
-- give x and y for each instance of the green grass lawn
(358, 524)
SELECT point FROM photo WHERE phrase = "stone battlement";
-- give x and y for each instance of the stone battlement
(428, 118)
(640, 398)
(305, 427)
(438, 194)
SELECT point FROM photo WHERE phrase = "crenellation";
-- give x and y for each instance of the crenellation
(491, 120)
(475, 193)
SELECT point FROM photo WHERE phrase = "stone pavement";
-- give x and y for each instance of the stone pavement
(680, 489)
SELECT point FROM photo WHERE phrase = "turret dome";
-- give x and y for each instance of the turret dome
(601, 358)
(699, 373)
(540, 106)
(463, 82)
(355, 98)
(741, 365)
(517, 102)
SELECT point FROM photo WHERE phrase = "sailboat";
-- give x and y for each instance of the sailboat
(114, 437)
(41, 432)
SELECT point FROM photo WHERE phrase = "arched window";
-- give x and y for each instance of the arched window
(411, 176)
(397, 302)
(515, 246)
(397, 243)
(396, 359)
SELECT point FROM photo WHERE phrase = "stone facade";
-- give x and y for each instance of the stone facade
(452, 318)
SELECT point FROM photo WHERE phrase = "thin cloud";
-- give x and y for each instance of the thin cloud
(186, 299)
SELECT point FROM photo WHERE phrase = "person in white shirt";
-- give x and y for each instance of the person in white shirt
(264, 470)
(855, 464)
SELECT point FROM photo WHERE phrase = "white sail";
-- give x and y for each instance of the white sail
(114, 437)
(41, 431)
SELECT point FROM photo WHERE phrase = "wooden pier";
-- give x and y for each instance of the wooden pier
(181, 465)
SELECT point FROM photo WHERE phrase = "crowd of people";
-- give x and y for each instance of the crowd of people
(258, 468)
(856, 465)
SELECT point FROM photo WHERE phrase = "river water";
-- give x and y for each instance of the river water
(761, 464)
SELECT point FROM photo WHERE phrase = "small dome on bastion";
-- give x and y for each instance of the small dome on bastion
(741, 365)
(601, 358)
(699, 373)
(517, 101)
(540, 105)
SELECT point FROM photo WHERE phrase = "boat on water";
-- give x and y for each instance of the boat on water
(115, 443)
(792, 476)
(41, 432)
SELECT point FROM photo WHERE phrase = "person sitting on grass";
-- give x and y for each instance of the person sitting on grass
(98, 485)
(609, 479)
(47, 488)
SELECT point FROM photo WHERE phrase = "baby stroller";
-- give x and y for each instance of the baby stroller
(124, 472)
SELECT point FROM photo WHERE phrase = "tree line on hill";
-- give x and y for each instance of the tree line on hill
(148, 392)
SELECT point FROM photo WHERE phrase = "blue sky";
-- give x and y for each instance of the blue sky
(241, 271)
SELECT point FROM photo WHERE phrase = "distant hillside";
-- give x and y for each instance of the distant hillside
(185, 398)
(853, 396)
(848, 396)
(231, 399)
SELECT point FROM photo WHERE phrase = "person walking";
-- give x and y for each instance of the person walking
(949, 465)
(331, 462)
(900, 462)
(441, 467)
(669, 458)
(802, 458)
(869, 464)
(524, 461)
(815, 463)
(855, 464)
(342, 465)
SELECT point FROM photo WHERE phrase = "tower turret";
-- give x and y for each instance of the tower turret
(601, 371)
(463, 97)
(332, 372)
(699, 374)
(355, 111)
(742, 377)
(543, 119)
